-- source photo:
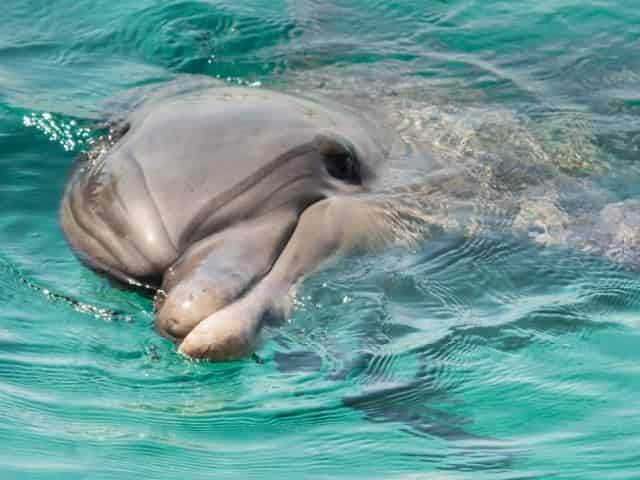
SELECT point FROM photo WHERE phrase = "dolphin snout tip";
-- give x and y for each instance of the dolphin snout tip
(229, 348)
(229, 334)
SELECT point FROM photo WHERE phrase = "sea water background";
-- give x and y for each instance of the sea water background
(484, 357)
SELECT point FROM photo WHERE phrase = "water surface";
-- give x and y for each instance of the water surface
(508, 353)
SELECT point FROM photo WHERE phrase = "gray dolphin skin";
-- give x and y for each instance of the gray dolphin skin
(225, 198)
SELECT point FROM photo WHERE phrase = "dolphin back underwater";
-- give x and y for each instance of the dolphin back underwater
(225, 198)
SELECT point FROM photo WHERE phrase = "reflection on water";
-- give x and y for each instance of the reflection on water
(505, 346)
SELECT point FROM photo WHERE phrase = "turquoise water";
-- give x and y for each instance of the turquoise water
(488, 355)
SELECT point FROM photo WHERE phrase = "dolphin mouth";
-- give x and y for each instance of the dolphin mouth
(223, 269)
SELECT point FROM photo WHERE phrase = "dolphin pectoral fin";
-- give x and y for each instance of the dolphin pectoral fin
(334, 226)
(218, 269)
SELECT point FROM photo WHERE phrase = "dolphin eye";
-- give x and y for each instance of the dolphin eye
(339, 158)
(343, 166)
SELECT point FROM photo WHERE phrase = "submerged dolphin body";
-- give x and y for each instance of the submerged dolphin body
(225, 197)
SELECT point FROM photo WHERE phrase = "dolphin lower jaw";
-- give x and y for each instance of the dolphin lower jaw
(221, 270)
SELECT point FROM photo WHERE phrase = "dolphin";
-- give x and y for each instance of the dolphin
(224, 199)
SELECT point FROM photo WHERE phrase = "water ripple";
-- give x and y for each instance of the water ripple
(503, 347)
